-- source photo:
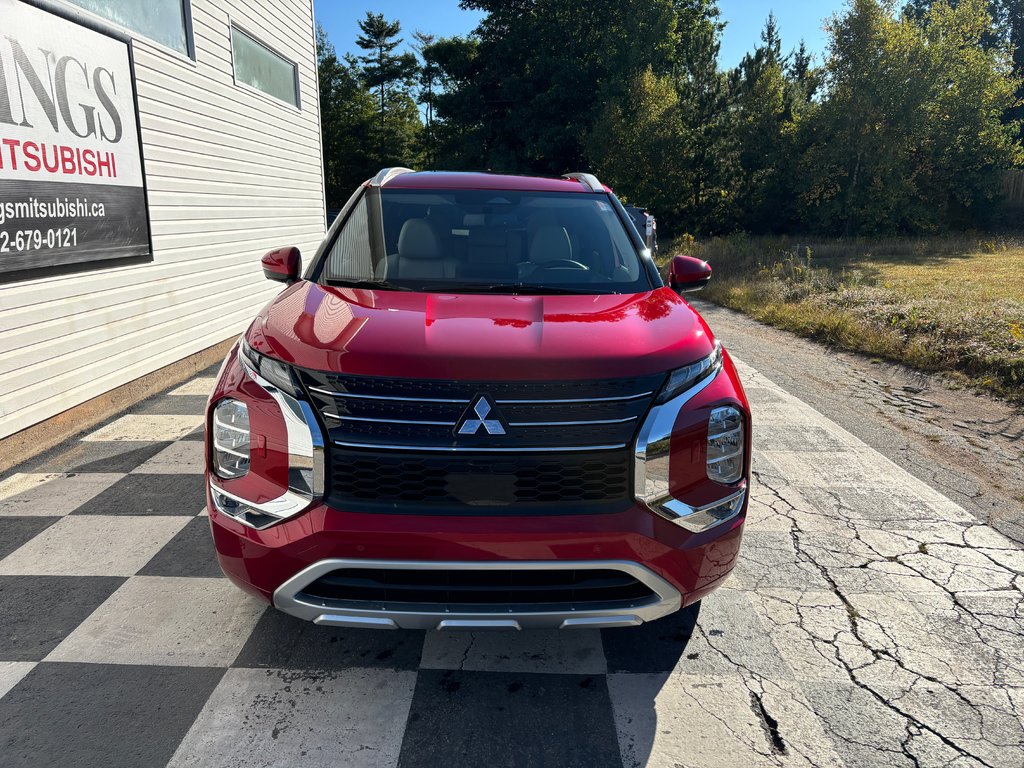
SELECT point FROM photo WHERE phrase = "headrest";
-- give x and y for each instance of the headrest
(417, 240)
(539, 220)
(550, 243)
(493, 236)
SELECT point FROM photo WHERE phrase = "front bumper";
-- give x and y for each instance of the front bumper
(277, 563)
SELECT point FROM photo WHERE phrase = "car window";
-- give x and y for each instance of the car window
(350, 257)
(469, 240)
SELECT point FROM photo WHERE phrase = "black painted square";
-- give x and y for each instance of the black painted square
(196, 434)
(108, 715)
(149, 495)
(38, 612)
(15, 531)
(281, 641)
(189, 553)
(96, 456)
(174, 405)
(510, 719)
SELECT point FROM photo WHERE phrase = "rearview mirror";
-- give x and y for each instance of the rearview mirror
(685, 273)
(283, 265)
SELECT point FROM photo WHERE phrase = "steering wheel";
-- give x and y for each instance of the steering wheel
(562, 264)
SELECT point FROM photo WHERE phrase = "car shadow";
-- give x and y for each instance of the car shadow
(558, 698)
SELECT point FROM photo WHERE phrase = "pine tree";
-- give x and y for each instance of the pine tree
(391, 75)
(428, 79)
(347, 116)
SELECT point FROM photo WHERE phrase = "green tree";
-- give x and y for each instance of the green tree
(762, 118)
(427, 82)
(545, 69)
(709, 150)
(392, 75)
(1006, 33)
(910, 137)
(347, 115)
(974, 86)
(663, 136)
(456, 119)
(638, 140)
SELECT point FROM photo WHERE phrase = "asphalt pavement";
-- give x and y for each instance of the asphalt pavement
(871, 621)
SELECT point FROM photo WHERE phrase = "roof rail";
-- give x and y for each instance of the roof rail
(586, 179)
(387, 174)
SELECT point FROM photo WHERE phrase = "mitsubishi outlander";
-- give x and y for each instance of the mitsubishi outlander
(479, 406)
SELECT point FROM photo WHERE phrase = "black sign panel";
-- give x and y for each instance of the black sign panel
(71, 179)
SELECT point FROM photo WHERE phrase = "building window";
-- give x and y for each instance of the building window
(164, 21)
(261, 68)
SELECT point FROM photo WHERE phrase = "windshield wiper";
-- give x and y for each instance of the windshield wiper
(515, 289)
(372, 284)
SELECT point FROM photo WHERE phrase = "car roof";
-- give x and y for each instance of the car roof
(465, 180)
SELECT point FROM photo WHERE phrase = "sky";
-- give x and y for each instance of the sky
(798, 19)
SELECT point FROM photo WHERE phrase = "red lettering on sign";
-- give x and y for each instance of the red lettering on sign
(12, 144)
(67, 159)
(55, 166)
(31, 152)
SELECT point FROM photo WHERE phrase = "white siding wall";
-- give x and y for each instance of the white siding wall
(231, 174)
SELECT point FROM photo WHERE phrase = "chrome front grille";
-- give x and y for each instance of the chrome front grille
(422, 415)
(394, 444)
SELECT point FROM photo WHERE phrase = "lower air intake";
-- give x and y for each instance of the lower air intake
(478, 590)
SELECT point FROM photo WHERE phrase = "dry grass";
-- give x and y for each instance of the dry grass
(953, 305)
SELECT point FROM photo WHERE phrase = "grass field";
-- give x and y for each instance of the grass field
(954, 304)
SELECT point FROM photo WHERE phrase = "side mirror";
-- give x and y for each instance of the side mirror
(686, 273)
(283, 265)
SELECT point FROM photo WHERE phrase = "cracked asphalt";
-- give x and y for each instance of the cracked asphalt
(875, 618)
(898, 611)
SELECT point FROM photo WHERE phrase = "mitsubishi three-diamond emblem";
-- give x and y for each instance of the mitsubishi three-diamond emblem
(476, 418)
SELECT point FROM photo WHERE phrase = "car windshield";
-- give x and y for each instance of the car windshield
(485, 241)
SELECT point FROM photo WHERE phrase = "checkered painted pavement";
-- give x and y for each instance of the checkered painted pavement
(871, 622)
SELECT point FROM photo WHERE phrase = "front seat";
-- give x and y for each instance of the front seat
(419, 255)
(549, 243)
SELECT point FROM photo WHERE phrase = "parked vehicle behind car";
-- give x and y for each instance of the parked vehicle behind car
(478, 407)
(646, 225)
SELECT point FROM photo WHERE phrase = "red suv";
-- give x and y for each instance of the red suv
(480, 407)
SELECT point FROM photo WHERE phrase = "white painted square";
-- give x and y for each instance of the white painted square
(578, 651)
(93, 545)
(51, 495)
(144, 426)
(203, 385)
(164, 620)
(272, 717)
(11, 673)
(185, 457)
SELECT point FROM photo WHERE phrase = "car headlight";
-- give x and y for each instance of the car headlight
(230, 439)
(726, 445)
(681, 379)
(277, 373)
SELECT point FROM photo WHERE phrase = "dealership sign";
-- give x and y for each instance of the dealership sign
(71, 181)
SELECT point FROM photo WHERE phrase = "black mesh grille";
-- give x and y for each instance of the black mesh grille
(456, 484)
(483, 590)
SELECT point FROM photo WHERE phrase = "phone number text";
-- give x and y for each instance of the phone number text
(37, 239)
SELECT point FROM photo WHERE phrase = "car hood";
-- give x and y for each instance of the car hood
(479, 336)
